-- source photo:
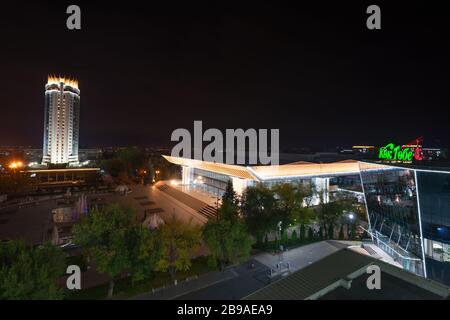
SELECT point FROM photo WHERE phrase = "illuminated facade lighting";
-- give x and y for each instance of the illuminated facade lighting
(61, 121)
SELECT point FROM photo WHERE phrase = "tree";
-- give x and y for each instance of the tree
(308, 191)
(353, 231)
(289, 204)
(105, 236)
(310, 234)
(144, 252)
(258, 207)
(134, 159)
(13, 183)
(328, 214)
(30, 272)
(341, 232)
(302, 232)
(320, 233)
(330, 231)
(227, 241)
(115, 167)
(284, 238)
(229, 207)
(294, 237)
(178, 241)
(229, 193)
(228, 211)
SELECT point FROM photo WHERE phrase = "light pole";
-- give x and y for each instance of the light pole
(351, 218)
(279, 230)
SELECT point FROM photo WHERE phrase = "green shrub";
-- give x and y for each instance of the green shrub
(341, 232)
(302, 232)
(310, 234)
(294, 237)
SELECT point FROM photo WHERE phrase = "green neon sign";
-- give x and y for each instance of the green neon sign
(395, 153)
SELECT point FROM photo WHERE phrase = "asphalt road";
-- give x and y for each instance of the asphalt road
(246, 281)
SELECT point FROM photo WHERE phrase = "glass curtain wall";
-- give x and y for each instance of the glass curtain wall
(434, 200)
(391, 198)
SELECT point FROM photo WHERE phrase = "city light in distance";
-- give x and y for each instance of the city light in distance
(15, 164)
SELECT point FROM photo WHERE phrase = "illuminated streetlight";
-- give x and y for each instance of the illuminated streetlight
(15, 165)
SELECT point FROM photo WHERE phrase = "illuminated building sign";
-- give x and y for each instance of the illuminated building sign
(395, 153)
(400, 153)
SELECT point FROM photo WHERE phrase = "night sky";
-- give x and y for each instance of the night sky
(315, 72)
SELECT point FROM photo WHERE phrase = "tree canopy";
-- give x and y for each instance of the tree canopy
(227, 237)
(30, 272)
(258, 207)
(178, 241)
(116, 244)
(267, 209)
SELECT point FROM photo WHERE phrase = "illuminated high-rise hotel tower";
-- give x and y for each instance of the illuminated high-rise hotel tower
(61, 121)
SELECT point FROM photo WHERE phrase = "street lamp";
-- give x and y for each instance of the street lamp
(15, 165)
(156, 177)
(351, 217)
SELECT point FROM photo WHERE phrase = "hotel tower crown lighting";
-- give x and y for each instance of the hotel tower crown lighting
(61, 121)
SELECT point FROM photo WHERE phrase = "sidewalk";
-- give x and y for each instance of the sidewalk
(185, 287)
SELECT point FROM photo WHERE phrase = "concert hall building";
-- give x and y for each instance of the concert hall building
(408, 205)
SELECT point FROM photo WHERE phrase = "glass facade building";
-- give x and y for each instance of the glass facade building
(434, 201)
(409, 216)
(214, 183)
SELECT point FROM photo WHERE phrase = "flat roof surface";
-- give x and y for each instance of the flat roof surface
(437, 166)
(392, 288)
(307, 282)
(305, 169)
(261, 173)
(221, 168)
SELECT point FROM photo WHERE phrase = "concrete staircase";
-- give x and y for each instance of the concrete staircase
(202, 208)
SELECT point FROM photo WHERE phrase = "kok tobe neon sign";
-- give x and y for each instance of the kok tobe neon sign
(400, 153)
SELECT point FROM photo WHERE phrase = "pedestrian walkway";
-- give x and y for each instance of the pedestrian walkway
(188, 286)
(300, 257)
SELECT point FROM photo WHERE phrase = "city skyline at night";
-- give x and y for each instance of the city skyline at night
(292, 68)
(225, 160)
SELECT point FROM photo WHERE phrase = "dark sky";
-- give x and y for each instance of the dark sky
(313, 71)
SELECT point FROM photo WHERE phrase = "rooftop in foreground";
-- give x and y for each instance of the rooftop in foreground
(342, 275)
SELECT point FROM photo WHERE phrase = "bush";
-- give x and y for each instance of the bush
(284, 238)
(302, 232)
(353, 232)
(294, 237)
(310, 234)
(330, 231)
(341, 233)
